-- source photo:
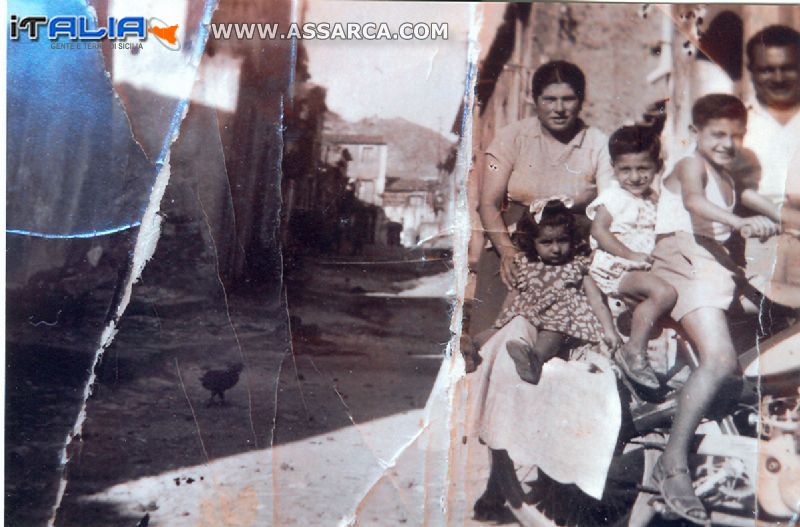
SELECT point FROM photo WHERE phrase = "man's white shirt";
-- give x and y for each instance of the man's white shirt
(775, 145)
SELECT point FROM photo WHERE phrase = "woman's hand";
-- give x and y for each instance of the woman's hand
(508, 267)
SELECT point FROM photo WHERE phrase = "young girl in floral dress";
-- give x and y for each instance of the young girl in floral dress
(554, 291)
(556, 309)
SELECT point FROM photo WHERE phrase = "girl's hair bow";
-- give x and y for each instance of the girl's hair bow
(538, 206)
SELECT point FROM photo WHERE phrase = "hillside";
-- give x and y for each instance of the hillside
(414, 151)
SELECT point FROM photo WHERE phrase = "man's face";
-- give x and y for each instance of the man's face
(776, 76)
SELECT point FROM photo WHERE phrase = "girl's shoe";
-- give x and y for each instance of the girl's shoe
(689, 508)
(642, 374)
(526, 361)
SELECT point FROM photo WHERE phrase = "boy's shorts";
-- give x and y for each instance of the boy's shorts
(608, 271)
(700, 269)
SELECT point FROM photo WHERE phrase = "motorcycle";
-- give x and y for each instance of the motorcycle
(746, 464)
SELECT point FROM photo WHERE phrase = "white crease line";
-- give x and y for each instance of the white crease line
(146, 242)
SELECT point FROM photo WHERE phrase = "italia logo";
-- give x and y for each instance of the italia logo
(164, 33)
(83, 28)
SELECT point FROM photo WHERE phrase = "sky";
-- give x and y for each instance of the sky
(421, 81)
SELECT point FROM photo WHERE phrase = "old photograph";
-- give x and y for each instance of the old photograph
(362, 263)
(230, 260)
(631, 326)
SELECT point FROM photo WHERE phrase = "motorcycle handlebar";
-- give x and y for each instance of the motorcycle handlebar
(748, 232)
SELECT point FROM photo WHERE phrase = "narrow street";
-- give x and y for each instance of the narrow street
(307, 431)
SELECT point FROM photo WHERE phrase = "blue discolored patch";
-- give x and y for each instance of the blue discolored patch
(73, 166)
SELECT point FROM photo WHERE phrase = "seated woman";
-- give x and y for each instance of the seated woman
(553, 153)
(550, 153)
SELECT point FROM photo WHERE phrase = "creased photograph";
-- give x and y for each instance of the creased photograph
(374, 263)
(631, 324)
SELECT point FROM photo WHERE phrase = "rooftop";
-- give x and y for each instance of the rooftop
(353, 139)
(394, 184)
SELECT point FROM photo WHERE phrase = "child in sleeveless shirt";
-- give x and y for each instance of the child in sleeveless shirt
(695, 216)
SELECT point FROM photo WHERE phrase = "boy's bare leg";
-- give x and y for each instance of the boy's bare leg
(658, 298)
(529, 358)
(708, 330)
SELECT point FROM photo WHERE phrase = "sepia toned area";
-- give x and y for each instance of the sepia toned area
(580, 440)
(230, 269)
(238, 266)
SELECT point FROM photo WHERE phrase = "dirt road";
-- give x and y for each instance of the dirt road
(357, 365)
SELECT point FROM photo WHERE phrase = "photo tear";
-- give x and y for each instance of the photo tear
(362, 263)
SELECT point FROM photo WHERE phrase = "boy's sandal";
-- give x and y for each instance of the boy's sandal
(689, 508)
(643, 375)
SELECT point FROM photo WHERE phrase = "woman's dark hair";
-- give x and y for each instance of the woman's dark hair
(556, 72)
(555, 214)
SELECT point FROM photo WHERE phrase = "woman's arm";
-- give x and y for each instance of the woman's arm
(477, 240)
(494, 187)
(601, 311)
(608, 241)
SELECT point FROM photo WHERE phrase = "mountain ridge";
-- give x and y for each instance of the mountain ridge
(414, 150)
